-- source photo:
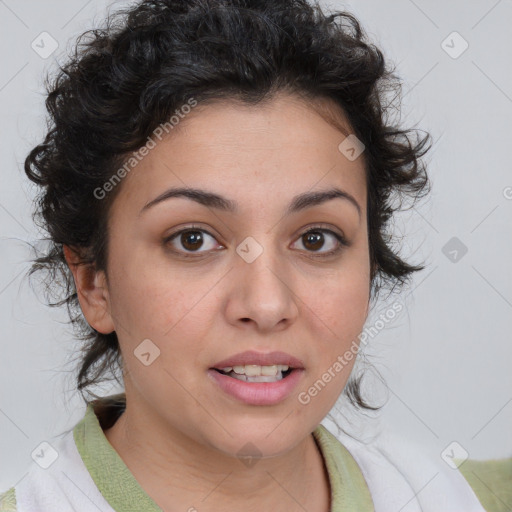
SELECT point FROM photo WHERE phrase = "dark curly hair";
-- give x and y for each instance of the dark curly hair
(125, 79)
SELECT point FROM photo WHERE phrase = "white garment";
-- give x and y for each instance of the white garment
(65, 486)
(401, 477)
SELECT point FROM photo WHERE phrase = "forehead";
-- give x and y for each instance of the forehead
(284, 119)
(268, 151)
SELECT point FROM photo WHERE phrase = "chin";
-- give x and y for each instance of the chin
(250, 437)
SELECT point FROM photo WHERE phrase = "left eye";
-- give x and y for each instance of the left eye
(315, 239)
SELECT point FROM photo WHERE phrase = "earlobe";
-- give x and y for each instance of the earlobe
(92, 291)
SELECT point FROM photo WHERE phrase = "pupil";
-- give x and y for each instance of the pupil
(314, 238)
(196, 238)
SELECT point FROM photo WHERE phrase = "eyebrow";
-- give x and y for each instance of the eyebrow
(213, 200)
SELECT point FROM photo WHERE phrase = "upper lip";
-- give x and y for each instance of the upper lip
(261, 359)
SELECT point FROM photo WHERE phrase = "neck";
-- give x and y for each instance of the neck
(179, 473)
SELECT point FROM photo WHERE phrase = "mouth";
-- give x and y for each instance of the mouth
(256, 378)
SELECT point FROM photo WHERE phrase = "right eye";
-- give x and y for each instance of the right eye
(191, 239)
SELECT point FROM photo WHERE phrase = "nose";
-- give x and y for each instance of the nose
(261, 294)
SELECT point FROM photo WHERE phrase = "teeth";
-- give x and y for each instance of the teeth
(254, 370)
(257, 378)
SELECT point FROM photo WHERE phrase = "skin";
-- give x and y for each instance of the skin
(180, 433)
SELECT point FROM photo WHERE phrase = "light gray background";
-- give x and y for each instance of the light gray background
(446, 360)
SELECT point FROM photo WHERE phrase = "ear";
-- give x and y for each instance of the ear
(92, 290)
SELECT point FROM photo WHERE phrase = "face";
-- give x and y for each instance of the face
(197, 284)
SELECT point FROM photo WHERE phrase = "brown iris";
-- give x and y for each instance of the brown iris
(314, 239)
(192, 240)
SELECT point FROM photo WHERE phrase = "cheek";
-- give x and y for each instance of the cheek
(143, 290)
(341, 301)
(172, 308)
(339, 317)
(340, 314)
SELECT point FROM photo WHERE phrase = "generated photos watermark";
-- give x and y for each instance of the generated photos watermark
(137, 156)
(343, 360)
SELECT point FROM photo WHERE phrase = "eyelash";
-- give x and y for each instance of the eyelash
(343, 243)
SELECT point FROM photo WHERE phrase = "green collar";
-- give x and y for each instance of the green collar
(120, 488)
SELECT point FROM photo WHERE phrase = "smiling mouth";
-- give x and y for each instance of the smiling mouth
(256, 373)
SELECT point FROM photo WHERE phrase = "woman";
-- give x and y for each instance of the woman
(217, 184)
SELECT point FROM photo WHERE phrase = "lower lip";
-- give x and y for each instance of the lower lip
(258, 393)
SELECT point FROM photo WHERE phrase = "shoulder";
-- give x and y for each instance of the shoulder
(8, 500)
(491, 481)
(390, 461)
(52, 481)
